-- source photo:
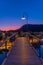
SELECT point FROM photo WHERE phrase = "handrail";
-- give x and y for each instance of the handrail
(39, 45)
(35, 37)
(6, 40)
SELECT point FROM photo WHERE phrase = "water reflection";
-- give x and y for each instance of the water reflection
(41, 51)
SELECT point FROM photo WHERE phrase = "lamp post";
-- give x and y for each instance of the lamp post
(25, 18)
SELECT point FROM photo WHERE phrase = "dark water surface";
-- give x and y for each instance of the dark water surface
(40, 51)
(2, 57)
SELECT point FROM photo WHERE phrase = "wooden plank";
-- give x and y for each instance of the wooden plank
(22, 54)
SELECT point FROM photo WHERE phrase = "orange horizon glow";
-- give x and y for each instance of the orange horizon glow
(9, 28)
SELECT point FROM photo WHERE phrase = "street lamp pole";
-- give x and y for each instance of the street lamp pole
(25, 18)
(27, 23)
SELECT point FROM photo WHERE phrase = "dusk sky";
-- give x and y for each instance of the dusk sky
(11, 12)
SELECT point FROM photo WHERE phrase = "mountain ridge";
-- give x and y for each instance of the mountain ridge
(29, 27)
(32, 27)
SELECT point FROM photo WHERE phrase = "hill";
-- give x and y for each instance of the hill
(32, 27)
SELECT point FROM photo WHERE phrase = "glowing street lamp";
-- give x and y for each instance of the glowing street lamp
(23, 18)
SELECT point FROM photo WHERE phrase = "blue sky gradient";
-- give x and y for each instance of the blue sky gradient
(11, 12)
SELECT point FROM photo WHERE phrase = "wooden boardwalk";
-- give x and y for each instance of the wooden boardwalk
(22, 54)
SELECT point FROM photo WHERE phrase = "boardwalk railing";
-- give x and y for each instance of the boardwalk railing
(5, 42)
(40, 43)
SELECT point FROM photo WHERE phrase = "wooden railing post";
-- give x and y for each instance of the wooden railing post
(6, 45)
(39, 50)
(6, 49)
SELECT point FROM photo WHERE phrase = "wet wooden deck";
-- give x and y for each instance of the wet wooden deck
(22, 54)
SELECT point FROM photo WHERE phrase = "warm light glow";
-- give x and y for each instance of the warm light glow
(9, 45)
(30, 41)
(35, 40)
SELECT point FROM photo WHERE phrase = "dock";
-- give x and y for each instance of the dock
(22, 53)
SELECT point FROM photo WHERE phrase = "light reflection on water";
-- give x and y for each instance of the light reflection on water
(2, 57)
(4, 54)
(41, 51)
